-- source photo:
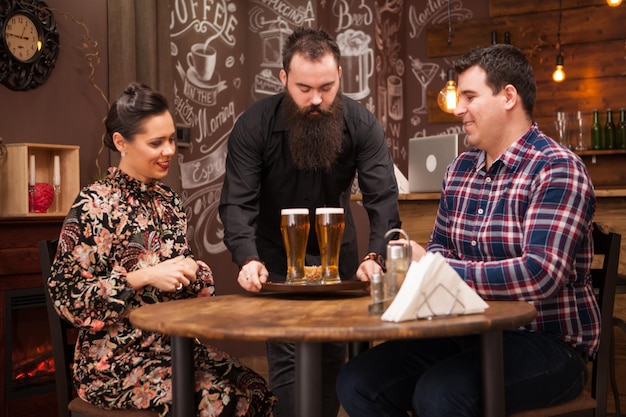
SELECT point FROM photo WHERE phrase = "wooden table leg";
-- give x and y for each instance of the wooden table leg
(493, 374)
(183, 403)
(308, 379)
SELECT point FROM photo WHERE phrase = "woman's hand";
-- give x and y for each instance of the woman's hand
(170, 275)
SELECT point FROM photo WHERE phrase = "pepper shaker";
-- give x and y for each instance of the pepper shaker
(377, 292)
(397, 262)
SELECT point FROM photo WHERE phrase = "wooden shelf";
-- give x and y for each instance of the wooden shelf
(14, 177)
(599, 152)
(617, 192)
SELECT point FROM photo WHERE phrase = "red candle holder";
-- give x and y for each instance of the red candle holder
(41, 197)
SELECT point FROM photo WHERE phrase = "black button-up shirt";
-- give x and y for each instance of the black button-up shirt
(261, 180)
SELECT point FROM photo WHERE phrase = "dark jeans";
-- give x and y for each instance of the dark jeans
(442, 377)
(282, 375)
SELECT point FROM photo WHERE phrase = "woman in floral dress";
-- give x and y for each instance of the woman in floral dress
(123, 245)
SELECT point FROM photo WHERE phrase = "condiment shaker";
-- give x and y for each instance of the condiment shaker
(397, 262)
(377, 292)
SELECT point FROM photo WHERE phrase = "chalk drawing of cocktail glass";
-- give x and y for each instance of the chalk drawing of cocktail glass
(424, 72)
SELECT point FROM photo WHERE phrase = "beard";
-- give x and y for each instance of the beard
(314, 138)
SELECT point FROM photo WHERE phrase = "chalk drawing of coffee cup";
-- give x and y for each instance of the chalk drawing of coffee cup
(202, 59)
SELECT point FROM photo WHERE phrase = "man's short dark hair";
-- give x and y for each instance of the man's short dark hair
(504, 64)
(311, 43)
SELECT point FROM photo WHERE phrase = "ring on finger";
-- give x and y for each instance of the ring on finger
(179, 286)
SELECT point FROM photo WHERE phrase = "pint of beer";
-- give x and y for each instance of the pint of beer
(329, 225)
(294, 226)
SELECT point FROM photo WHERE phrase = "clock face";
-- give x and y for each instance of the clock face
(29, 43)
(22, 37)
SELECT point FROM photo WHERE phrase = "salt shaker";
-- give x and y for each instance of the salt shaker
(377, 291)
(397, 262)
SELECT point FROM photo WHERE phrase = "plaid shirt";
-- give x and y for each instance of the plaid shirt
(521, 230)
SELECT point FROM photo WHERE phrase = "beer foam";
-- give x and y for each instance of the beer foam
(295, 211)
(329, 210)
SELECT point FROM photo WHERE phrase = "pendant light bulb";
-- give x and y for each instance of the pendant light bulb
(613, 3)
(448, 97)
(559, 72)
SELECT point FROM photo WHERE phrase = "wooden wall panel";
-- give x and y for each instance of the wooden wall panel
(531, 31)
(603, 173)
(581, 94)
(582, 60)
(511, 7)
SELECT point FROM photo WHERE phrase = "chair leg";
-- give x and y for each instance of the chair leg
(357, 347)
(617, 322)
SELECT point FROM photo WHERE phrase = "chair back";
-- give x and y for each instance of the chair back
(604, 280)
(63, 335)
(62, 348)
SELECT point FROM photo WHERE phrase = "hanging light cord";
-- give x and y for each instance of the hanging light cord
(558, 31)
(449, 26)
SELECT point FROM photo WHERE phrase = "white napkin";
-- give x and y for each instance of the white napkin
(433, 288)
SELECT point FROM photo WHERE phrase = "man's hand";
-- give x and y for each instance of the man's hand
(252, 275)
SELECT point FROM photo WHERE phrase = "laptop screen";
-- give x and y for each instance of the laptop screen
(428, 158)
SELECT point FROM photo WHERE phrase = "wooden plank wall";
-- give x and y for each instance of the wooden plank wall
(593, 39)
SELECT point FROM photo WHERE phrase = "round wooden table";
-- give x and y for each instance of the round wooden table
(310, 319)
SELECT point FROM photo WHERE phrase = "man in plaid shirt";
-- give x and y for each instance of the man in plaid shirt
(514, 220)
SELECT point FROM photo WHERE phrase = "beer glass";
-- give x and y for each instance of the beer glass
(329, 225)
(294, 226)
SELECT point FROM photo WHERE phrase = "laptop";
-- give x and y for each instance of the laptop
(428, 158)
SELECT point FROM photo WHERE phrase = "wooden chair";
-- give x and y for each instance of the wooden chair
(63, 336)
(620, 288)
(593, 403)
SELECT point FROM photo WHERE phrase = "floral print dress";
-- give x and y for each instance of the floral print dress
(115, 226)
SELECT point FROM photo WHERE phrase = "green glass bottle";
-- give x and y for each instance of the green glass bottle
(596, 132)
(609, 131)
(621, 130)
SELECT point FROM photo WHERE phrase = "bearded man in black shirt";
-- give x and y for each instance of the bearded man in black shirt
(303, 148)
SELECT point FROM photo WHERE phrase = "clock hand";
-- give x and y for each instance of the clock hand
(17, 36)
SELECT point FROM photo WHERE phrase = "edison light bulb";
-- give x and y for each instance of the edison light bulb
(613, 3)
(559, 73)
(448, 97)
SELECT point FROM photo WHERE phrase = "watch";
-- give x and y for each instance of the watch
(29, 44)
(376, 257)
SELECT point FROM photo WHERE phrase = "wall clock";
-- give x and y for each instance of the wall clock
(29, 43)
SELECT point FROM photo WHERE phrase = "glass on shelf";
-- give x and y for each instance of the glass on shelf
(579, 126)
(561, 123)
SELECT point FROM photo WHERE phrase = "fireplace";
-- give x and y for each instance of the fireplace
(27, 387)
(30, 365)
(30, 384)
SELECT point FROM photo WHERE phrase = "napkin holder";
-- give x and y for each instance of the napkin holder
(432, 288)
